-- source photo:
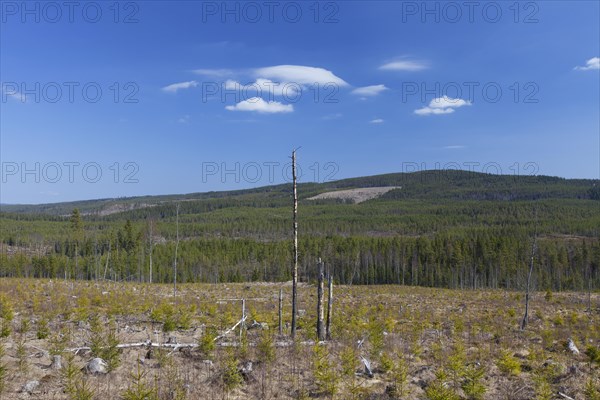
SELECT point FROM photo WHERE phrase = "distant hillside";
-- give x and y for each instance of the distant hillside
(434, 184)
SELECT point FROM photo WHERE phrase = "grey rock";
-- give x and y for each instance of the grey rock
(97, 366)
(56, 362)
(30, 387)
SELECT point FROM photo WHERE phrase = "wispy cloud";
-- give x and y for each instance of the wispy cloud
(332, 116)
(372, 90)
(10, 90)
(300, 74)
(184, 120)
(442, 105)
(256, 104)
(445, 102)
(433, 111)
(20, 97)
(404, 65)
(173, 88)
(454, 147)
(215, 73)
(592, 63)
(264, 88)
(376, 121)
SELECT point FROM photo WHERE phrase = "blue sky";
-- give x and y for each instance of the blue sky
(364, 87)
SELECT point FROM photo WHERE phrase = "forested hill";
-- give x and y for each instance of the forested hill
(434, 228)
(430, 185)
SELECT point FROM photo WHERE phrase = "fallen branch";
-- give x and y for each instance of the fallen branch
(177, 346)
(147, 343)
(230, 329)
(565, 396)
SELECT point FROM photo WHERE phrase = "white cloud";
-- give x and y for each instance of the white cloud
(404, 65)
(20, 97)
(217, 73)
(259, 105)
(376, 121)
(445, 102)
(10, 90)
(373, 90)
(592, 63)
(265, 88)
(442, 105)
(299, 74)
(433, 111)
(184, 120)
(454, 147)
(173, 88)
(230, 84)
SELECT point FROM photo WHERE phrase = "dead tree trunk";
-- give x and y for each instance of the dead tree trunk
(243, 324)
(320, 292)
(329, 305)
(280, 311)
(107, 259)
(151, 248)
(528, 288)
(176, 247)
(295, 256)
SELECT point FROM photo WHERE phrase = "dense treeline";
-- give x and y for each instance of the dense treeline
(323, 218)
(447, 229)
(484, 258)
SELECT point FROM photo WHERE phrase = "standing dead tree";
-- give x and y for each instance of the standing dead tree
(320, 313)
(280, 311)
(329, 305)
(176, 247)
(151, 246)
(525, 319)
(295, 256)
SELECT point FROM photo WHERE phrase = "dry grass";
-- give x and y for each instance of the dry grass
(422, 329)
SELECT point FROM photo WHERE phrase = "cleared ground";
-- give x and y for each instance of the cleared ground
(418, 341)
(355, 195)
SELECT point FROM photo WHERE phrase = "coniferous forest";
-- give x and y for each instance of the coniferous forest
(450, 229)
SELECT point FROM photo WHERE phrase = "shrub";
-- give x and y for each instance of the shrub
(456, 364)
(111, 353)
(324, 372)
(508, 364)
(591, 390)
(139, 389)
(231, 377)
(164, 313)
(206, 343)
(58, 342)
(70, 373)
(104, 342)
(21, 354)
(6, 315)
(265, 347)
(438, 390)
(400, 377)
(472, 385)
(3, 369)
(349, 361)
(543, 390)
(593, 354)
(385, 362)
(42, 329)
